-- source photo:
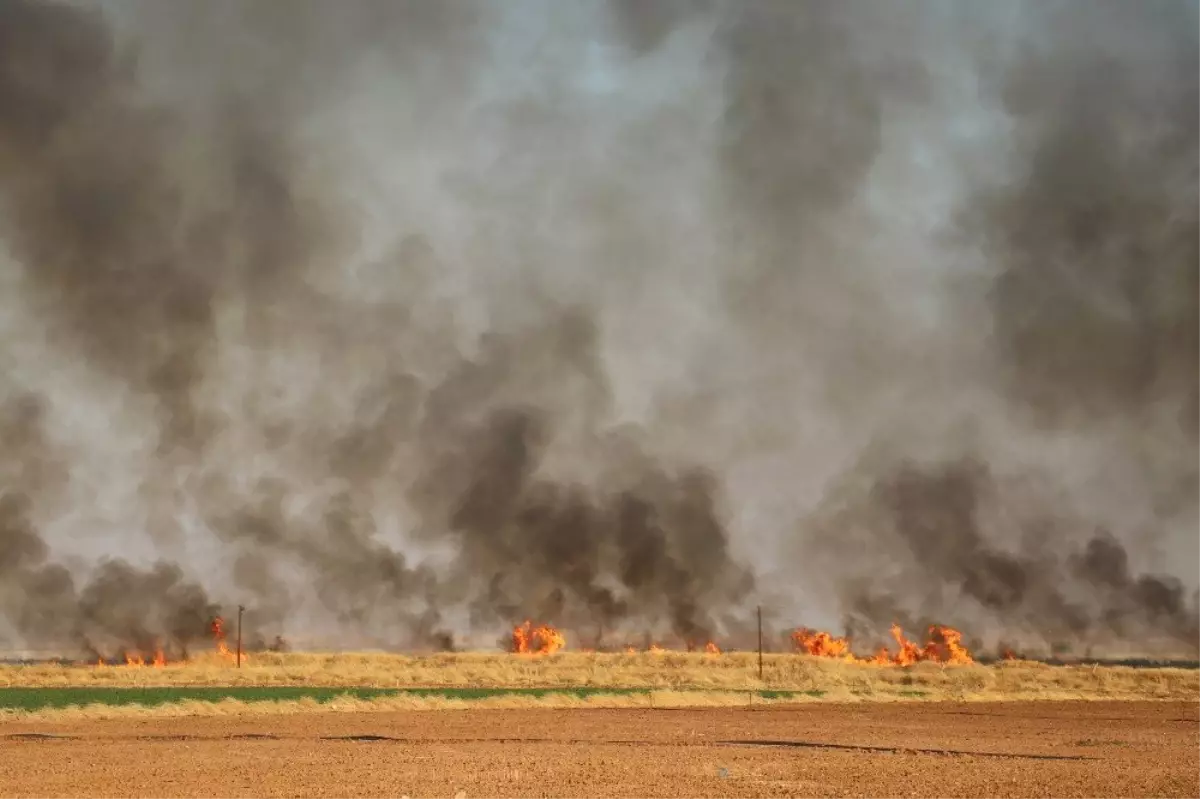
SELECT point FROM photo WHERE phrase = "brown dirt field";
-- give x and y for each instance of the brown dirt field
(938, 749)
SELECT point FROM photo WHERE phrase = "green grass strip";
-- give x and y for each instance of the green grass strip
(787, 694)
(29, 699)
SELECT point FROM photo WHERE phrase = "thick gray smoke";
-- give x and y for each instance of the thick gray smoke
(121, 609)
(401, 323)
(1088, 236)
(1086, 595)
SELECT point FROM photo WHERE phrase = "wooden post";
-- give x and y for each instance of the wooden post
(239, 637)
(760, 663)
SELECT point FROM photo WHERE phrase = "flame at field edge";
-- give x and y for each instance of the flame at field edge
(943, 645)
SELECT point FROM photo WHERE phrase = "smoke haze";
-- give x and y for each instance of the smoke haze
(404, 322)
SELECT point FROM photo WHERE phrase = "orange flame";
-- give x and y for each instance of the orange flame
(136, 659)
(712, 649)
(541, 640)
(951, 640)
(217, 630)
(943, 645)
(820, 644)
(909, 652)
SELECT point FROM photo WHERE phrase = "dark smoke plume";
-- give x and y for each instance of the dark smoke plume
(654, 548)
(120, 607)
(364, 582)
(648, 544)
(1096, 235)
(939, 513)
(399, 323)
(123, 250)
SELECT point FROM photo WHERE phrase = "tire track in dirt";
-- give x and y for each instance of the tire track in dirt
(370, 738)
(906, 750)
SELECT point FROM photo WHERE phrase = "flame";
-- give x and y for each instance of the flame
(520, 638)
(217, 630)
(653, 649)
(137, 659)
(951, 639)
(821, 644)
(710, 648)
(541, 640)
(942, 645)
(1008, 655)
(909, 652)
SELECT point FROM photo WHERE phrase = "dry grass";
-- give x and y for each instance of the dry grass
(836, 680)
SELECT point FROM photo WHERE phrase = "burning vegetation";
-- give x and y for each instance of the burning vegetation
(540, 640)
(137, 659)
(157, 657)
(217, 629)
(942, 645)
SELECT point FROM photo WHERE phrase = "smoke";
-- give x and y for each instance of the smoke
(649, 544)
(1095, 237)
(644, 27)
(954, 563)
(121, 608)
(1090, 243)
(404, 323)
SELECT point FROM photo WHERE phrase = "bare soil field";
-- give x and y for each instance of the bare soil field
(864, 749)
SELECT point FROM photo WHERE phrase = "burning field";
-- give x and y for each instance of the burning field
(814, 720)
(614, 356)
(399, 380)
(155, 655)
(815, 663)
(819, 666)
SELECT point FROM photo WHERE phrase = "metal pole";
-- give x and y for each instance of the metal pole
(760, 665)
(239, 637)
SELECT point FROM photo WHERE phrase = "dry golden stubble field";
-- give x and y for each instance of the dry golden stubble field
(663, 678)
